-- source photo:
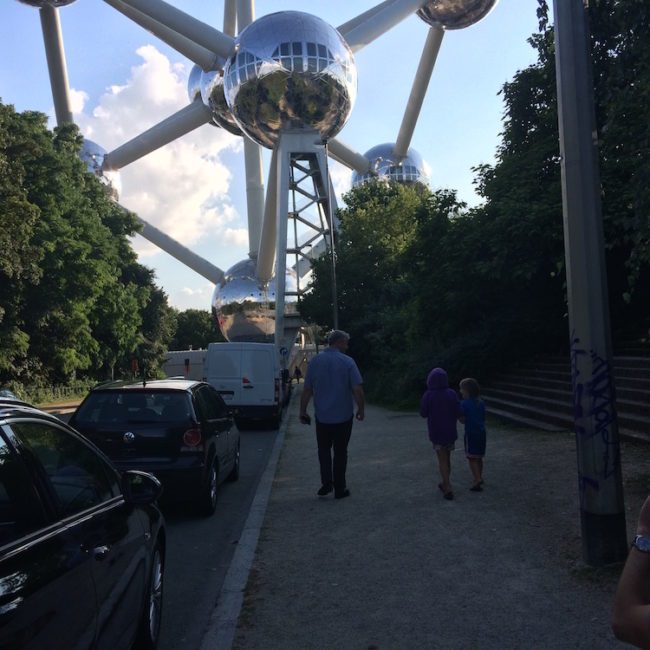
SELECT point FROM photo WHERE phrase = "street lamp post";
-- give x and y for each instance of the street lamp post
(602, 511)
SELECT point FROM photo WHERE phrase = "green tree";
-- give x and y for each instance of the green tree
(73, 299)
(195, 328)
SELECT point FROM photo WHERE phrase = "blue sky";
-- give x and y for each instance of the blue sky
(124, 80)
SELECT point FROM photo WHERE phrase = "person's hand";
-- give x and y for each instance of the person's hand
(305, 419)
(643, 525)
(360, 415)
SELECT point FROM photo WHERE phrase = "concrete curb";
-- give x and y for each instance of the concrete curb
(221, 629)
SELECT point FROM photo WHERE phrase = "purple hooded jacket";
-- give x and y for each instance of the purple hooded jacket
(441, 406)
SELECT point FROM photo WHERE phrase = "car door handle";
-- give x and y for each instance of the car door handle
(248, 386)
(101, 552)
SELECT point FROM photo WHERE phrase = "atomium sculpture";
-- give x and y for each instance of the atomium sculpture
(386, 166)
(286, 81)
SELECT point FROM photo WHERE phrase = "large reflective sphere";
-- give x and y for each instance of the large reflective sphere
(44, 3)
(385, 166)
(291, 70)
(194, 83)
(455, 14)
(213, 96)
(93, 156)
(244, 310)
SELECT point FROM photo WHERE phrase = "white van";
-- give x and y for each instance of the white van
(249, 378)
(188, 364)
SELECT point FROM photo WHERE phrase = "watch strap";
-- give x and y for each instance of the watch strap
(642, 543)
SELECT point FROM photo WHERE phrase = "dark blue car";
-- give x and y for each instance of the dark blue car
(82, 548)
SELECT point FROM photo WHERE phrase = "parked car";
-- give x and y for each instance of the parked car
(179, 430)
(82, 548)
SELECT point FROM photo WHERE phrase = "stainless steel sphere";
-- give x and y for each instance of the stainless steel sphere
(455, 14)
(44, 3)
(213, 96)
(194, 83)
(385, 166)
(93, 156)
(244, 310)
(291, 70)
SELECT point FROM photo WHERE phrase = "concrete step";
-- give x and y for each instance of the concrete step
(562, 401)
(562, 390)
(559, 419)
(525, 421)
(564, 405)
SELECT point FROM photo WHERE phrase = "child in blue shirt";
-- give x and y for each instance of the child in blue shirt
(473, 416)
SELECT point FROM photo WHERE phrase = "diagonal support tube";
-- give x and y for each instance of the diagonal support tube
(380, 22)
(348, 26)
(254, 194)
(171, 128)
(245, 13)
(419, 90)
(200, 55)
(348, 157)
(178, 21)
(181, 253)
(266, 252)
(230, 17)
(55, 54)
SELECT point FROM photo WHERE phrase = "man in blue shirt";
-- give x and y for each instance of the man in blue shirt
(335, 383)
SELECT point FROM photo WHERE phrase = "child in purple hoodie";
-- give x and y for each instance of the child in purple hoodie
(441, 406)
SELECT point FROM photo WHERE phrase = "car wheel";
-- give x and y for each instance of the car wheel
(234, 472)
(208, 500)
(149, 629)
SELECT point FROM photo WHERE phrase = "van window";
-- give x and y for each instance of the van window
(224, 363)
(257, 366)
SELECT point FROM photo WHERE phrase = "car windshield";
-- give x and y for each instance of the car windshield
(115, 407)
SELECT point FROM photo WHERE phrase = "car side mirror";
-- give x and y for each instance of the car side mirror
(140, 488)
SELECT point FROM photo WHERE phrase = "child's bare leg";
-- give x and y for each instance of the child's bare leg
(445, 468)
(480, 469)
(475, 467)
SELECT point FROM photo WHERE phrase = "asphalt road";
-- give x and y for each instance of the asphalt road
(199, 550)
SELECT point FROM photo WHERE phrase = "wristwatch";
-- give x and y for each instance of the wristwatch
(642, 543)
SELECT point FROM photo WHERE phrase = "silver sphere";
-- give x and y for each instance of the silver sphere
(385, 166)
(45, 3)
(455, 14)
(194, 83)
(291, 70)
(213, 96)
(244, 310)
(93, 156)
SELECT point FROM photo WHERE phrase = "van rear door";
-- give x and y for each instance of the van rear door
(258, 376)
(224, 372)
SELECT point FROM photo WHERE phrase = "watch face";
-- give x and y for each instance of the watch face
(642, 543)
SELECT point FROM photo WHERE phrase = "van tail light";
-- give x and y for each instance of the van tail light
(245, 380)
(277, 390)
(192, 438)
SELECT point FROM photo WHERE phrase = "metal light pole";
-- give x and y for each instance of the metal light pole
(602, 511)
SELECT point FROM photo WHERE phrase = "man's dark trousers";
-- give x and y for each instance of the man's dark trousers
(333, 436)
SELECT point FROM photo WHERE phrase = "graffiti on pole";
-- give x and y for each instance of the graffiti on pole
(593, 398)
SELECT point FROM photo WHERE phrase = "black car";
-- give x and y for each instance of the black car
(179, 430)
(82, 548)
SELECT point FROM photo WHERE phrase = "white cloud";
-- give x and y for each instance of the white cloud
(183, 187)
(78, 99)
(192, 298)
(236, 236)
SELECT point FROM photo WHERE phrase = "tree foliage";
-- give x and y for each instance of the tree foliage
(195, 329)
(424, 281)
(74, 302)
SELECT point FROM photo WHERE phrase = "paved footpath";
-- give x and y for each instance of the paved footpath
(396, 566)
